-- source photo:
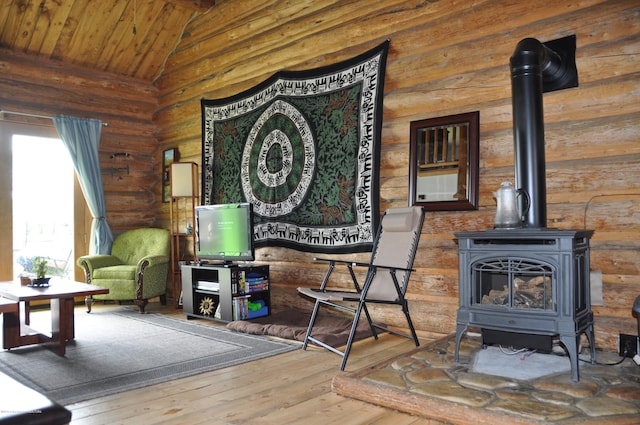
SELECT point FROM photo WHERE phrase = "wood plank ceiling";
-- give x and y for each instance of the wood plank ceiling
(124, 37)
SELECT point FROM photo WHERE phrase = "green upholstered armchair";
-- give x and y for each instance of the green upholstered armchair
(137, 268)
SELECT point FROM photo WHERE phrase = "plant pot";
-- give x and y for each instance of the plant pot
(40, 282)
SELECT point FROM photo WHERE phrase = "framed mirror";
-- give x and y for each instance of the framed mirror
(444, 163)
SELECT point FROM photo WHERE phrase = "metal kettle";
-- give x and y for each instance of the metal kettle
(508, 215)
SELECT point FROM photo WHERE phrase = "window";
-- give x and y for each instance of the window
(42, 200)
(37, 194)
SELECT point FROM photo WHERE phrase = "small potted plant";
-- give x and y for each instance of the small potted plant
(40, 266)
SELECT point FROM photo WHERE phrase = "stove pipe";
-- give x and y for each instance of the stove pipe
(536, 68)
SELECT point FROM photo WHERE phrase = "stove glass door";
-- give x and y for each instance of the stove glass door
(513, 283)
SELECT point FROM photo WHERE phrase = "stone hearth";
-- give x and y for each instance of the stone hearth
(427, 382)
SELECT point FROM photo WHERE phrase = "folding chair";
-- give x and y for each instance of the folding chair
(385, 281)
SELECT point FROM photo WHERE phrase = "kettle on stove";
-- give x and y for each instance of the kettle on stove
(508, 215)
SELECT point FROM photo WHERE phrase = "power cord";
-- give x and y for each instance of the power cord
(564, 354)
(526, 353)
(603, 364)
(511, 351)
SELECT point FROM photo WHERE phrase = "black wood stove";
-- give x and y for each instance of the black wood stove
(524, 286)
(519, 285)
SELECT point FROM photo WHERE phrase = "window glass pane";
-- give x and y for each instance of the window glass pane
(42, 198)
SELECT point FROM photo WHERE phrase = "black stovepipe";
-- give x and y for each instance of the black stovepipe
(532, 64)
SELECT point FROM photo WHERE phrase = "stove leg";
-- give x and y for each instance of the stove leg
(460, 330)
(592, 342)
(635, 311)
(571, 343)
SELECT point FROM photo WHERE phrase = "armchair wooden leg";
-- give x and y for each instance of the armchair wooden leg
(163, 299)
(88, 301)
(141, 304)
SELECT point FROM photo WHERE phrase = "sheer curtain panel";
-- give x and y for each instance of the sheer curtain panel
(82, 139)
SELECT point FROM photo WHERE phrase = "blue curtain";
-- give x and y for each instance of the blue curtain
(82, 139)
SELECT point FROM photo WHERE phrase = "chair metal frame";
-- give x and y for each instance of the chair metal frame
(337, 298)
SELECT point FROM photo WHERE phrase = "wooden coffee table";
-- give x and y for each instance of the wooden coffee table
(16, 331)
(8, 306)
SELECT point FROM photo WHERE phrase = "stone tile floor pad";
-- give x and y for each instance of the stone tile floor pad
(429, 383)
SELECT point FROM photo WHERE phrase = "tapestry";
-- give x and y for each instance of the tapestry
(304, 148)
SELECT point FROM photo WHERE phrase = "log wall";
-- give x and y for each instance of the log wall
(33, 85)
(445, 58)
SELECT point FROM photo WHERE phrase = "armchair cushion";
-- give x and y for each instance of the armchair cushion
(119, 272)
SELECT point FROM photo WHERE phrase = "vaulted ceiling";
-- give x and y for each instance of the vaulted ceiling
(124, 37)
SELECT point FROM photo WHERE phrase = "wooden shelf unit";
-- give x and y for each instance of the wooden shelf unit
(183, 222)
(226, 292)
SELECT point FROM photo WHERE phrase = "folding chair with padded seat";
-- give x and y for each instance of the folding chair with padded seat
(385, 282)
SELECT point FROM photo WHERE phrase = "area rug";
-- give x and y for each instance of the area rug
(119, 349)
(292, 324)
(303, 147)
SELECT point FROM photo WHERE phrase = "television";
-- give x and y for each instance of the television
(224, 232)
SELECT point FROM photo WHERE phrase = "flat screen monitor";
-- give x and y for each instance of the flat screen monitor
(224, 232)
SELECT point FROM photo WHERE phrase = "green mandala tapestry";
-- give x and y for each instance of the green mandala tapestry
(304, 148)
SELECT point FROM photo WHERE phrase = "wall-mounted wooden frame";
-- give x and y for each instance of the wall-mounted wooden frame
(169, 156)
(444, 162)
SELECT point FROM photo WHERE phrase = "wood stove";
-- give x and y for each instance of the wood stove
(526, 283)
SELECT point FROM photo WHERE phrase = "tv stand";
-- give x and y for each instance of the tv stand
(226, 292)
(216, 264)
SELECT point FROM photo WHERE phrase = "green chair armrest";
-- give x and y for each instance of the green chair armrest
(98, 261)
(153, 260)
(88, 263)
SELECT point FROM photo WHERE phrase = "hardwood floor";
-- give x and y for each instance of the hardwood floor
(291, 388)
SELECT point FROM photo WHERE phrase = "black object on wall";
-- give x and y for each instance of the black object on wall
(536, 68)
